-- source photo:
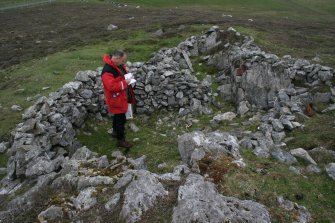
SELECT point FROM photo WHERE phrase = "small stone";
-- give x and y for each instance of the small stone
(111, 27)
(294, 170)
(311, 168)
(17, 108)
(228, 116)
(52, 214)
(103, 162)
(133, 127)
(117, 154)
(330, 169)
(162, 166)
(303, 154)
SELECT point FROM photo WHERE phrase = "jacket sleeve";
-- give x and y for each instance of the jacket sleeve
(112, 84)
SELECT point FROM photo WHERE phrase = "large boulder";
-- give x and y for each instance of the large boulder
(199, 201)
(195, 145)
(142, 192)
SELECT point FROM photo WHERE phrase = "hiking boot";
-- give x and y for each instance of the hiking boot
(124, 144)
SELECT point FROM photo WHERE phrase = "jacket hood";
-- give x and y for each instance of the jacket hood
(107, 59)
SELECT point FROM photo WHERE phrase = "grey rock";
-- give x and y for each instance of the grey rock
(192, 146)
(199, 201)
(82, 76)
(330, 169)
(138, 163)
(133, 127)
(176, 175)
(278, 136)
(124, 180)
(159, 33)
(117, 154)
(51, 214)
(85, 200)
(113, 202)
(86, 94)
(283, 156)
(196, 106)
(225, 91)
(294, 170)
(162, 166)
(303, 154)
(3, 147)
(42, 166)
(277, 125)
(29, 113)
(84, 182)
(243, 108)
(287, 124)
(322, 97)
(103, 162)
(325, 75)
(285, 204)
(76, 85)
(330, 108)
(302, 214)
(82, 153)
(16, 108)
(311, 168)
(140, 195)
(111, 27)
(228, 116)
(180, 95)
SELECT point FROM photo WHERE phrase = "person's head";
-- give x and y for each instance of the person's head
(119, 57)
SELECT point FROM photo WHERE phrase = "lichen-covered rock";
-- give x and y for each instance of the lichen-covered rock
(51, 214)
(141, 194)
(199, 201)
(195, 145)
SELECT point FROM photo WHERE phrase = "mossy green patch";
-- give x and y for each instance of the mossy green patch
(317, 131)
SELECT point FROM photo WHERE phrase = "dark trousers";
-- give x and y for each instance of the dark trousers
(119, 121)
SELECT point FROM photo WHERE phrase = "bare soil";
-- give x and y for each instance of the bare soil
(34, 32)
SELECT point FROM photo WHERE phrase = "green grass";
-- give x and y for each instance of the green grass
(3, 160)
(318, 131)
(318, 190)
(153, 141)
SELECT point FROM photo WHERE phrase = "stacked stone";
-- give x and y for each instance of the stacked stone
(254, 79)
(46, 135)
(166, 82)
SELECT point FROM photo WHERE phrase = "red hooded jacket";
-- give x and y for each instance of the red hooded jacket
(115, 87)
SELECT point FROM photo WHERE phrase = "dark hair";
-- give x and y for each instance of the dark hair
(118, 53)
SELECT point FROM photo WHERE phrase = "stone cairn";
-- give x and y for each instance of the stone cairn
(43, 149)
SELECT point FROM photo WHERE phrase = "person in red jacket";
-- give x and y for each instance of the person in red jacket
(117, 93)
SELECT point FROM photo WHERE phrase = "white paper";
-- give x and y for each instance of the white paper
(128, 76)
(129, 113)
(131, 77)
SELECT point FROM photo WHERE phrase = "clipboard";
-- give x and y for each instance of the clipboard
(129, 113)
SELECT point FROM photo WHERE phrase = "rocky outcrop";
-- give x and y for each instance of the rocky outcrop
(195, 145)
(199, 201)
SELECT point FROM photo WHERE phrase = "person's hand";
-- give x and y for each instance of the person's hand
(128, 81)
